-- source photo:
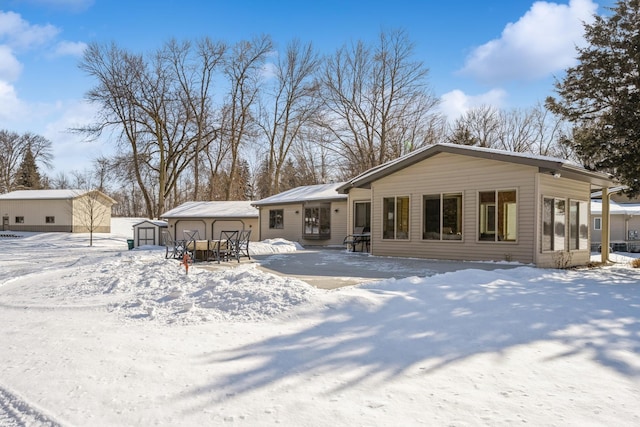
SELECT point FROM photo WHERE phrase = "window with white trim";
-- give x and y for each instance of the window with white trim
(498, 216)
(597, 223)
(442, 214)
(276, 218)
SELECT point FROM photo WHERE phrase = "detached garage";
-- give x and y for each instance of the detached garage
(76, 211)
(210, 218)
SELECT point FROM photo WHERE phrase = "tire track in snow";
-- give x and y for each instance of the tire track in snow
(17, 412)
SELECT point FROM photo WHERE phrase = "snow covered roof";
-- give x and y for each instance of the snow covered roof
(548, 164)
(615, 208)
(307, 193)
(158, 223)
(42, 194)
(217, 209)
(66, 194)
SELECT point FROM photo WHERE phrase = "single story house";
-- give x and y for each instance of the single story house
(210, 218)
(149, 232)
(624, 226)
(455, 202)
(310, 215)
(77, 211)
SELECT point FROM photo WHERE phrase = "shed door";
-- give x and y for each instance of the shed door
(146, 236)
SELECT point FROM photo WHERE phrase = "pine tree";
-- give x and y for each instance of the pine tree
(601, 95)
(28, 176)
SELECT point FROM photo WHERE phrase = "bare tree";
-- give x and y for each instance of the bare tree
(534, 130)
(478, 126)
(195, 74)
(378, 104)
(516, 132)
(244, 72)
(291, 106)
(160, 128)
(90, 210)
(13, 147)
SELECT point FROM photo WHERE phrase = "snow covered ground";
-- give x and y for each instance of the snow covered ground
(104, 336)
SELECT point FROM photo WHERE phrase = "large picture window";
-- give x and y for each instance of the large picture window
(276, 218)
(442, 217)
(317, 222)
(498, 216)
(395, 217)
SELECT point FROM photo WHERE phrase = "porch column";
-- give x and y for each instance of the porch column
(605, 242)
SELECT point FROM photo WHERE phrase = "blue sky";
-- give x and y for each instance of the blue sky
(502, 53)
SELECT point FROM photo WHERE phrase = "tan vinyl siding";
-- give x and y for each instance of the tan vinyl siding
(620, 226)
(91, 212)
(68, 214)
(451, 173)
(291, 221)
(35, 212)
(566, 189)
(355, 195)
(293, 224)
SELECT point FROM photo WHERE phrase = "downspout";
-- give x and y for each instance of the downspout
(605, 240)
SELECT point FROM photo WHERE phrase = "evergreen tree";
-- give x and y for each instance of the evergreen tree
(601, 95)
(28, 176)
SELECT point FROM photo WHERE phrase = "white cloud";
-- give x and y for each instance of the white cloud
(19, 34)
(10, 67)
(70, 48)
(539, 43)
(455, 103)
(11, 108)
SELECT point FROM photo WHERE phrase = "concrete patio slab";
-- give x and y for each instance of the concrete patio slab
(334, 268)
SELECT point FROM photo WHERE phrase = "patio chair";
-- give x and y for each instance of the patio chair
(173, 248)
(227, 245)
(243, 244)
(190, 238)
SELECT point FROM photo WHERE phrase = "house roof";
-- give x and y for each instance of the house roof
(216, 209)
(66, 194)
(307, 193)
(615, 208)
(158, 223)
(546, 164)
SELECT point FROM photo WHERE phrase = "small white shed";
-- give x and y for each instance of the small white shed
(148, 233)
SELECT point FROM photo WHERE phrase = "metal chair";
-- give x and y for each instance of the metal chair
(173, 248)
(227, 245)
(243, 244)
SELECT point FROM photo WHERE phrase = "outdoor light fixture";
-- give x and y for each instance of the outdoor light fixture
(557, 175)
(336, 211)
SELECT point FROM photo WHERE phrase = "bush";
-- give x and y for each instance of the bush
(635, 263)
